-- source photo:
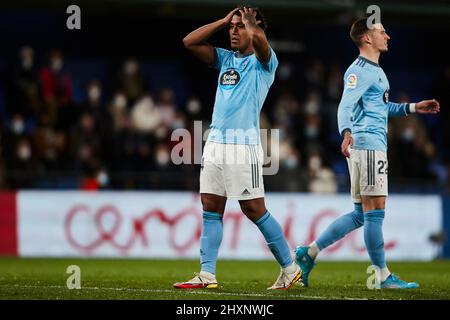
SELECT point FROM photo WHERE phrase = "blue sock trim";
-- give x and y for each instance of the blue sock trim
(374, 215)
(212, 215)
(263, 219)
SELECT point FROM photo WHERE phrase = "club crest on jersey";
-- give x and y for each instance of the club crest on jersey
(386, 96)
(352, 80)
(230, 78)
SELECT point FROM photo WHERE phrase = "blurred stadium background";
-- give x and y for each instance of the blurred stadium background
(90, 112)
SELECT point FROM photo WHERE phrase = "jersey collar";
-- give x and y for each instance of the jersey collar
(368, 61)
(237, 55)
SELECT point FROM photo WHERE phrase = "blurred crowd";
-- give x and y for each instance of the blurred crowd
(121, 140)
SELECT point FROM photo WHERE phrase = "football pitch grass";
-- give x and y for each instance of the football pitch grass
(238, 280)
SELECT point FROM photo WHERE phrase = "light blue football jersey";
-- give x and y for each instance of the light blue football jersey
(365, 106)
(242, 87)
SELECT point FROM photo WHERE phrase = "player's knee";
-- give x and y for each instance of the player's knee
(253, 210)
(211, 205)
(376, 203)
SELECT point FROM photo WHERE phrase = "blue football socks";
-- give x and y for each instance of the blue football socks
(373, 236)
(274, 236)
(341, 227)
(210, 240)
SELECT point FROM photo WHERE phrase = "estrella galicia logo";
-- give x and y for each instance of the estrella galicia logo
(386, 96)
(230, 78)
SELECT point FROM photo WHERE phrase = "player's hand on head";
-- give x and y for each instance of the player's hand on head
(248, 15)
(347, 143)
(428, 106)
(229, 16)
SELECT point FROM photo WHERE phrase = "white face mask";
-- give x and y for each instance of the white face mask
(27, 63)
(161, 132)
(178, 124)
(193, 106)
(291, 162)
(56, 64)
(94, 93)
(162, 158)
(312, 107)
(120, 101)
(408, 134)
(285, 71)
(18, 126)
(311, 131)
(24, 152)
(103, 178)
(131, 68)
(315, 163)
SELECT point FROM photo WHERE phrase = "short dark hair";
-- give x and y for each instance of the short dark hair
(259, 16)
(358, 30)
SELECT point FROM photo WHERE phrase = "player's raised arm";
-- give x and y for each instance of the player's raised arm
(196, 40)
(423, 107)
(257, 35)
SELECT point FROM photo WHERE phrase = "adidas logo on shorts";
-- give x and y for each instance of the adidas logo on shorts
(245, 192)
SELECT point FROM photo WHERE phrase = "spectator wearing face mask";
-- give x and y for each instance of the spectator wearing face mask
(21, 165)
(321, 179)
(145, 117)
(119, 145)
(93, 105)
(15, 130)
(51, 150)
(130, 80)
(118, 111)
(412, 150)
(56, 91)
(17, 125)
(86, 142)
(315, 76)
(23, 93)
(167, 107)
(165, 171)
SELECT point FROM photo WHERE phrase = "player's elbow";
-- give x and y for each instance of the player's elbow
(189, 42)
(186, 42)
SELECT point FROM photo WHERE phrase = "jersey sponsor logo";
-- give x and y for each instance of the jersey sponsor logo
(230, 78)
(352, 80)
(386, 96)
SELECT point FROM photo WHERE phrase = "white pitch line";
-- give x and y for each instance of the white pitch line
(210, 292)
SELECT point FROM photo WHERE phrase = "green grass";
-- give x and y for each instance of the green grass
(247, 280)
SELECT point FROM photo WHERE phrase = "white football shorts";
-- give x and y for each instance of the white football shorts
(234, 171)
(368, 173)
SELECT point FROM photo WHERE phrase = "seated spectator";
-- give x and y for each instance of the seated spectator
(56, 87)
(130, 80)
(23, 94)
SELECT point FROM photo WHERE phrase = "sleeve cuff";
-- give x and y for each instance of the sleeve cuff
(345, 130)
(410, 108)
